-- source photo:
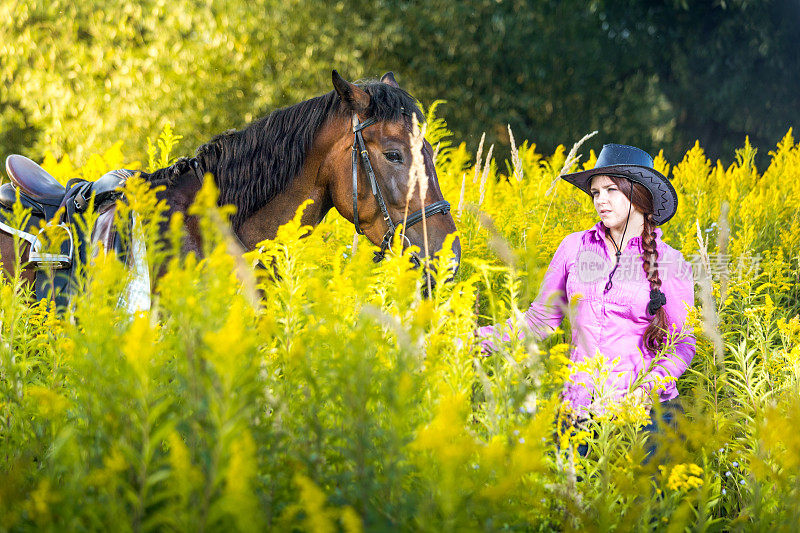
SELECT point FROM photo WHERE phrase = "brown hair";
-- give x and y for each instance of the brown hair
(643, 201)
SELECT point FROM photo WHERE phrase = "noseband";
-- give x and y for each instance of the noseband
(359, 147)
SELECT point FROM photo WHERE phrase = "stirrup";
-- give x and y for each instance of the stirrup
(36, 256)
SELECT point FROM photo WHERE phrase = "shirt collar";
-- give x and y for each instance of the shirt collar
(597, 232)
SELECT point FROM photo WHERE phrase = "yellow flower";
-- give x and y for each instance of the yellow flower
(791, 329)
(769, 308)
(240, 499)
(113, 464)
(319, 518)
(351, 522)
(684, 477)
(445, 436)
(140, 345)
(627, 410)
(50, 404)
(38, 505)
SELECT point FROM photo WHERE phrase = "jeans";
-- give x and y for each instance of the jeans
(670, 410)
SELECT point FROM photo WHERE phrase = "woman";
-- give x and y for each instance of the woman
(628, 290)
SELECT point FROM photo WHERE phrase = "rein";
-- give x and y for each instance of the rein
(360, 148)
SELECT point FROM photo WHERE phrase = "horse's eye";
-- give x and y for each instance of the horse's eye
(394, 157)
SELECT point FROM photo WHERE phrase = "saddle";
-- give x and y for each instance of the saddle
(53, 209)
(40, 191)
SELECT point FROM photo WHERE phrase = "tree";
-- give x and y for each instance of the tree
(658, 74)
(81, 75)
(727, 69)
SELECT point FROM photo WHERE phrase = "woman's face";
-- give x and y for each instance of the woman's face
(610, 203)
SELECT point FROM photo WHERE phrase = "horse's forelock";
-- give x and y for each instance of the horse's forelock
(389, 103)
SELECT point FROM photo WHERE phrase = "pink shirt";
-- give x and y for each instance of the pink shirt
(610, 323)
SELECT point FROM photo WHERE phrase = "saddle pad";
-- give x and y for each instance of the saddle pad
(136, 297)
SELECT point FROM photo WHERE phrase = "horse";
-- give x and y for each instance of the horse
(349, 149)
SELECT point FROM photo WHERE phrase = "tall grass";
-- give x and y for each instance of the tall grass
(340, 399)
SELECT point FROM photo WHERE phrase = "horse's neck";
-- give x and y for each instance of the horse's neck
(264, 223)
(179, 195)
(313, 183)
(182, 190)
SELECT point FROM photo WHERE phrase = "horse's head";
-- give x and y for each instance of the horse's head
(375, 158)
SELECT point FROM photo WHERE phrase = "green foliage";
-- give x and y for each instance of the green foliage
(738, 47)
(656, 75)
(76, 74)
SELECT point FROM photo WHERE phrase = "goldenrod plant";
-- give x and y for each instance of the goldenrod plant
(303, 387)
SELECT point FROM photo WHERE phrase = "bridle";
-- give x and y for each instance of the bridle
(442, 206)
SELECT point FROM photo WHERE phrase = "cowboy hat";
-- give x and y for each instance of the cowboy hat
(636, 165)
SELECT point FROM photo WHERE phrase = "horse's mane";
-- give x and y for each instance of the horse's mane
(253, 165)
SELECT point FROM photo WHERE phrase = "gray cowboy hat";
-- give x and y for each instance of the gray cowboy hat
(636, 165)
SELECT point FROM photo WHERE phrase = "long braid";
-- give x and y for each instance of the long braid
(654, 334)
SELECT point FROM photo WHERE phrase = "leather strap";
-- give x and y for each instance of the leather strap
(442, 206)
(359, 146)
(360, 151)
(376, 191)
(355, 187)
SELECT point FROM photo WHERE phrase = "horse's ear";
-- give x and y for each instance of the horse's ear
(388, 79)
(351, 94)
